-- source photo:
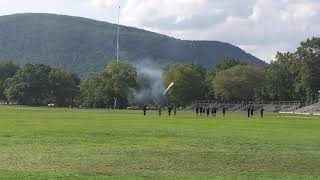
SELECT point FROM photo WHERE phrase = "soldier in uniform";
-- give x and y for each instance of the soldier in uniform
(197, 111)
(203, 110)
(169, 110)
(144, 110)
(159, 109)
(252, 111)
(261, 112)
(249, 109)
(208, 111)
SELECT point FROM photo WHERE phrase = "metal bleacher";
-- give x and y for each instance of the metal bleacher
(237, 106)
(313, 108)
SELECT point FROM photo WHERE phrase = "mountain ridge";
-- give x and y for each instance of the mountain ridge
(84, 45)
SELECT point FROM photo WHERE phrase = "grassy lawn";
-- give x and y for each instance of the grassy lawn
(42, 143)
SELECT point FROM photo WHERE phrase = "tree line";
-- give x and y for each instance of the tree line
(291, 76)
(37, 84)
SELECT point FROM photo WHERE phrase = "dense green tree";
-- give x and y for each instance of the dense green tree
(122, 76)
(115, 82)
(64, 87)
(121, 79)
(7, 70)
(306, 67)
(279, 81)
(95, 91)
(238, 83)
(295, 76)
(223, 64)
(189, 80)
(29, 86)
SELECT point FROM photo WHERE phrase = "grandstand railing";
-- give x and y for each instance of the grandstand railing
(6, 103)
(248, 102)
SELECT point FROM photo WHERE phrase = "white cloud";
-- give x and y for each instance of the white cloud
(103, 3)
(173, 15)
(266, 25)
(268, 30)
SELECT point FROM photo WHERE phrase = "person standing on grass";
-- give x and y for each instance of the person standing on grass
(261, 112)
(144, 110)
(197, 111)
(214, 111)
(159, 110)
(174, 111)
(208, 111)
(224, 111)
(249, 109)
(252, 111)
(200, 110)
(169, 110)
(204, 111)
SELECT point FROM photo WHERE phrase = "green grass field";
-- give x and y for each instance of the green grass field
(42, 143)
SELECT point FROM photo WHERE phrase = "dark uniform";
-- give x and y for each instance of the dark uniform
(214, 112)
(261, 112)
(159, 109)
(197, 111)
(224, 111)
(200, 110)
(252, 111)
(169, 110)
(203, 110)
(144, 110)
(208, 111)
(174, 111)
(249, 109)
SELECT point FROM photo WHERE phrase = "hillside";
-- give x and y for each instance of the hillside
(83, 45)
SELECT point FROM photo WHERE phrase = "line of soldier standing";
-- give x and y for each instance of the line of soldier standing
(169, 108)
(203, 111)
(251, 111)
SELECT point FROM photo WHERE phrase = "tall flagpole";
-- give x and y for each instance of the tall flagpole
(118, 46)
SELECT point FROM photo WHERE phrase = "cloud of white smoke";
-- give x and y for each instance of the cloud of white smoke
(151, 80)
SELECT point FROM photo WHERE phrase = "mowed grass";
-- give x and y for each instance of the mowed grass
(43, 143)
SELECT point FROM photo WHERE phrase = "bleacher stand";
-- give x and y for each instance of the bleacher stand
(311, 109)
(236, 106)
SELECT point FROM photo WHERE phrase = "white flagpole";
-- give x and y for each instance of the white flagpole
(118, 46)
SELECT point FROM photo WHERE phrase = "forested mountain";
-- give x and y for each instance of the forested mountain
(83, 45)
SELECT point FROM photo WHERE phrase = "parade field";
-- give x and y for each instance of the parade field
(70, 144)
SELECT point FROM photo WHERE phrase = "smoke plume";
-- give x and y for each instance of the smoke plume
(150, 83)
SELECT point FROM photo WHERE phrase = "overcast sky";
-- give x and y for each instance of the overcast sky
(261, 27)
